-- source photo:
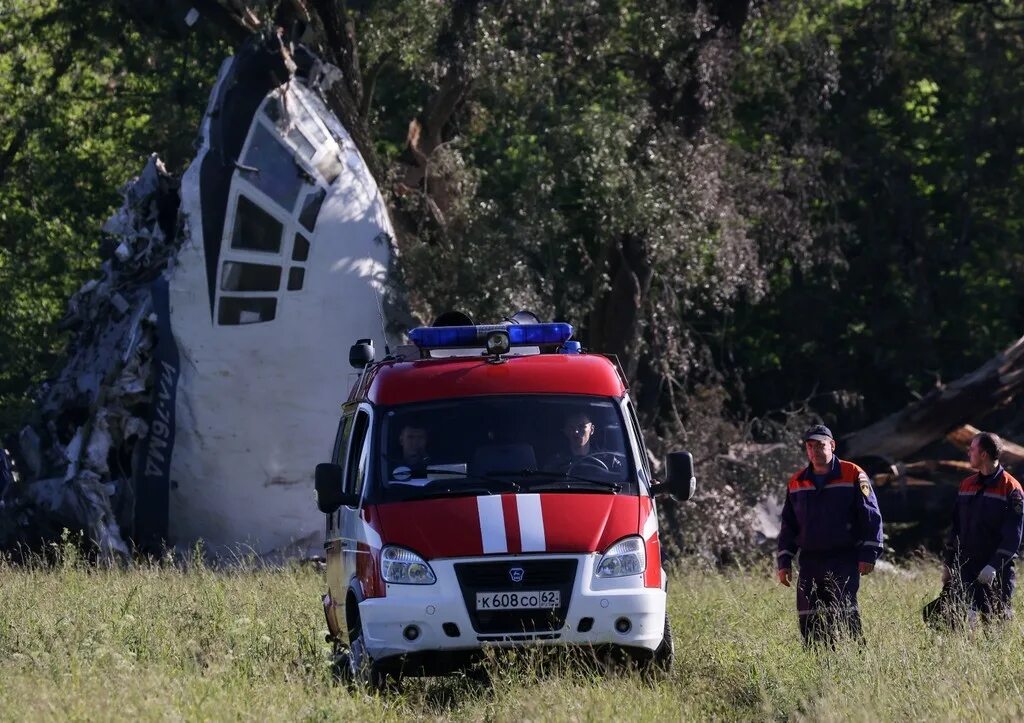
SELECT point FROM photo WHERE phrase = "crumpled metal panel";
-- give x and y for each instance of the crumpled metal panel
(75, 455)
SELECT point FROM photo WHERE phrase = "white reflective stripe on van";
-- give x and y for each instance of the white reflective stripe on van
(370, 536)
(650, 525)
(492, 524)
(531, 523)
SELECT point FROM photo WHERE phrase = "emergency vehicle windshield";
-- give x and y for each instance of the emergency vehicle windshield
(498, 444)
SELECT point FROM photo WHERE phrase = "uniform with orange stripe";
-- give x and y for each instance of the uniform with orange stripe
(987, 524)
(833, 522)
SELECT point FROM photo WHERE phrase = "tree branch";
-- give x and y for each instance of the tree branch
(370, 82)
(341, 49)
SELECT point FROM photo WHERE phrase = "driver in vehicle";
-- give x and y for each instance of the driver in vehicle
(578, 430)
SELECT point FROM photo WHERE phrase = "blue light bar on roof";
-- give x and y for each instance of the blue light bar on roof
(555, 333)
(440, 337)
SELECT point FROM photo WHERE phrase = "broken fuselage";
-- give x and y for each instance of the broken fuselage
(287, 247)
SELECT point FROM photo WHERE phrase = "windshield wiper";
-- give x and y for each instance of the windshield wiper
(455, 492)
(449, 490)
(563, 479)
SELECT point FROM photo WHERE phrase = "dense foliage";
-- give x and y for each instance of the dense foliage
(84, 98)
(755, 205)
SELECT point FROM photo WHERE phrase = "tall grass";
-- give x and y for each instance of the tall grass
(180, 640)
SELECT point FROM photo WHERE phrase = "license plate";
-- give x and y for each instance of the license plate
(525, 599)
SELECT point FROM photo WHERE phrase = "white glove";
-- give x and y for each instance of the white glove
(987, 575)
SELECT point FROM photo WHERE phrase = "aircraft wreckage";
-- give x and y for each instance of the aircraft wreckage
(209, 360)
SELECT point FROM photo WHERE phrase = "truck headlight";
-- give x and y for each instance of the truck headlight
(625, 557)
(404, 567)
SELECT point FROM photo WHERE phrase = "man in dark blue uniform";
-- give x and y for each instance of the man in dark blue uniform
(988, 519)
(831, 519)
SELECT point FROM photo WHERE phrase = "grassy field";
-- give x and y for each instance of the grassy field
(187, 643)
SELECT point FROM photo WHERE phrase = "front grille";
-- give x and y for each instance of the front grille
(489, 577)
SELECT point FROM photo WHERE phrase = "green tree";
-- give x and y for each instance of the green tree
(922, 216)
(85, 99)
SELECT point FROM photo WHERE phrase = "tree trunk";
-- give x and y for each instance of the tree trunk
(1011, 456)
(427, 132)
(614, 322)
(901, 434)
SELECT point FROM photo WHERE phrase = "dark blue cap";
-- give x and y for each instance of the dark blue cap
(819, 432)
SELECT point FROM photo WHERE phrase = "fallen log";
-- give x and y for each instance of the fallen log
(903, 433)
(1011, 456)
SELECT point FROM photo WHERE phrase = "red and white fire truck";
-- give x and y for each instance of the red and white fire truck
(489, 486)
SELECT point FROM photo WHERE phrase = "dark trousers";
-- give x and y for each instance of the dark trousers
(826, 597)
(964, 595)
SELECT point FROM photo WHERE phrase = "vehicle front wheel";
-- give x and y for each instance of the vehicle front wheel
(660, 662)
(363, 669)
(341, 671)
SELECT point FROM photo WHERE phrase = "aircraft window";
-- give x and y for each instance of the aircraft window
(308, 124)
(277, 175)
(255, 229)
(236, 276)
(276, 113)
(311, 208)
(301, 144)
(273, 109)
(329, 167)
(301, 250)
(295, 277)
(234, 310)
(320, 110)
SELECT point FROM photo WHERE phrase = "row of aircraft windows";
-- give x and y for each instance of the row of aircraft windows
(271, 166)
(256, 230)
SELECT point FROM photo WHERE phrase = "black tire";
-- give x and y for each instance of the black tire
(659, 664)
(341, 672)
(665, 654)
(364, 670)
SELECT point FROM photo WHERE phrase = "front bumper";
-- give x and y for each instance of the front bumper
(445, 628)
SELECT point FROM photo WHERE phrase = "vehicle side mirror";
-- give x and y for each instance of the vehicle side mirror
(329, 493)
(680, 481)
(360, 354)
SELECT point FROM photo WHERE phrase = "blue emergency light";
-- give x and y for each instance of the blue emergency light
(440, 337)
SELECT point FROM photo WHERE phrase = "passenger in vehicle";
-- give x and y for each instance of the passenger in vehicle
(413, 442)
